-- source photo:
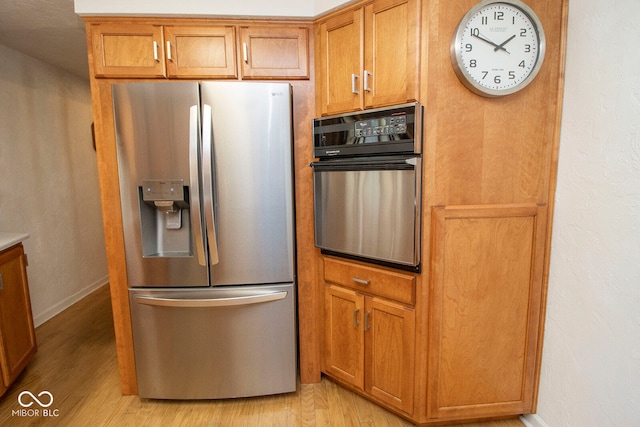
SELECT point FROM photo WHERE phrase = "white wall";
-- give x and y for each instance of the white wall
(591, 360)
(49, 181)
(282, 8)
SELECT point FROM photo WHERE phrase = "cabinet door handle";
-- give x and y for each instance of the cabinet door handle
(367, 316)
(169, 57)
(354, 78)
(1, 283)
(355, 317)
(245, 54)
(361, 281)
(155, 51)
(366, 81)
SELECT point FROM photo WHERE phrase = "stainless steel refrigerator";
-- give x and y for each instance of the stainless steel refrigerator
(206, 188)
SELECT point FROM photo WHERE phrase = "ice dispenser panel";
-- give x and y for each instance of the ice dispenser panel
(166, 229)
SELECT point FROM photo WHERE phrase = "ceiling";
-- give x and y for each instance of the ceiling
(48, 30)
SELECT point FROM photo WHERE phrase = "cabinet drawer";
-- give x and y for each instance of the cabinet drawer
(385, 283)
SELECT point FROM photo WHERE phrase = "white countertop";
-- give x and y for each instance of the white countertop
(9, 239)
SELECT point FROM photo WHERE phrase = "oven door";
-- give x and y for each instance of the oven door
(369, 208)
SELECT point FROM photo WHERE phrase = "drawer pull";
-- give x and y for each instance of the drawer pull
(169, 56)
(367, 316)
(355, 317)
(354, 79)
(361, 281)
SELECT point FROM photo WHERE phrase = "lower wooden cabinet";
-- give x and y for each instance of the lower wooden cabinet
(486, 317)
(17, 334)
(370, 345)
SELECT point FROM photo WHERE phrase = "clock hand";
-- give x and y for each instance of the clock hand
(501, 46)
(484, 39)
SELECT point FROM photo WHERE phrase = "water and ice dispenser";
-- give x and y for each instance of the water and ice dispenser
(166, 229)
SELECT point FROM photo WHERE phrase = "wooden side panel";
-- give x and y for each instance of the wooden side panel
(127, 50)
(344, 346)
(389, 353)
(488, 266)
(310, 290)
(274, 52)
(341, 57)
(391, 46)
(205, 52)
(17, 334)
(113, 233)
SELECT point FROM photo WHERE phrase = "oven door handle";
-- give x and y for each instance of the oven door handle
(365, 164)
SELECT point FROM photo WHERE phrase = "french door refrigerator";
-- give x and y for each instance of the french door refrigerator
(205, 172)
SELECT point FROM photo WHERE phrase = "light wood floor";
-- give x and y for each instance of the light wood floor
(76, 362)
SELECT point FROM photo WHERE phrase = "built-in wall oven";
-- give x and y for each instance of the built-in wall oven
(367, 185)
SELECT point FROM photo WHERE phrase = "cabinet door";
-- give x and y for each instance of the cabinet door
(486, 313)
(391, 52)
(275, 52)
(341, 62)
(389, 352)
(344, 335)
(200, 52)
(17, 335)
(127, 50)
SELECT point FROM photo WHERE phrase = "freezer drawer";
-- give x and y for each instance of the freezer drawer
(214, 343)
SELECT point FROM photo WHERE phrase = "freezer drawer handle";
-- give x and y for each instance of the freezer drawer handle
(212, 302)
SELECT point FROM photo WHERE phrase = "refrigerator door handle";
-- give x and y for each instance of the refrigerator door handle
(211, 302)
(207, 182)
(194, 194)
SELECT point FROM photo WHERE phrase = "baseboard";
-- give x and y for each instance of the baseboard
(533, 420)
(68, 302)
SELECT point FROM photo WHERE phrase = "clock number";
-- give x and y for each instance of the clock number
(475, 32)
(527, 48)
(485, 20)
(484, 74)
(522, 64)
(498, 16)
(468, 47)
(523, 32)
(512, 75)
(473, 63)
(497, 80)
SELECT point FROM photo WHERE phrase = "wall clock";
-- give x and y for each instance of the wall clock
(498, 47)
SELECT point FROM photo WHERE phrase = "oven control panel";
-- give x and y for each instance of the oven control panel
(392, 125)
(375, 132)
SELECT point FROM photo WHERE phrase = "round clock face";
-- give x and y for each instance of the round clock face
(498, 47)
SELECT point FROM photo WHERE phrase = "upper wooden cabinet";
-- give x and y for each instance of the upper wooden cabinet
(121, 50)
(17, 334)
(200, 52)
(368, 57)
(179, 49)
(275, 52)
(148, 50)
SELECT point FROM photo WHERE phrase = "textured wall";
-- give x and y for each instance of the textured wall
(300, 8)
(591, 359)
(49, 180)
